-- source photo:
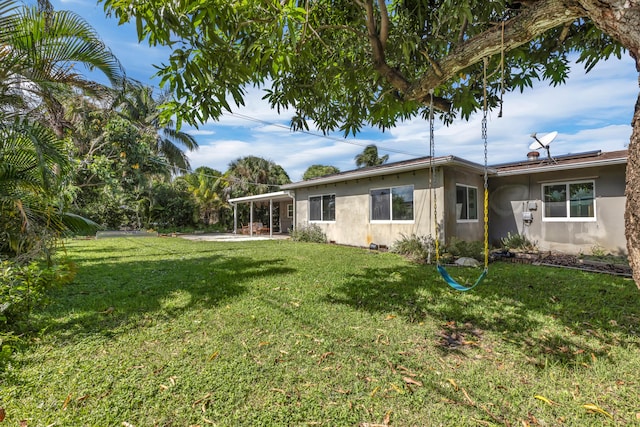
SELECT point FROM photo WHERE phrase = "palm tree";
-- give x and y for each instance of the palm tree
(138, 105)
(41, 51)
(369, 157)
(32, 167)
(205, 186)
(254, 175)
(42, 57)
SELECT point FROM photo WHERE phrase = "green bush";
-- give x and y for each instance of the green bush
(416, 248)
(517, 242)
(23, 287)
(311, 233)
(461, 248)
(8, 343)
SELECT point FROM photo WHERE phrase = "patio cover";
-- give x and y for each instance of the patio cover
(276, 196)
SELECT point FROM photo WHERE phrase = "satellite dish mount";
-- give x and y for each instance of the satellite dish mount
(543, 142)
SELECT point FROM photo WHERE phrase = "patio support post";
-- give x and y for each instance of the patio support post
(270, 217)
(235, 218)
(251, 218)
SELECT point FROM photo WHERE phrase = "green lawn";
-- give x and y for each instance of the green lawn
(167, 332)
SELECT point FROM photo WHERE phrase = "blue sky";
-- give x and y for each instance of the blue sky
(590, 112)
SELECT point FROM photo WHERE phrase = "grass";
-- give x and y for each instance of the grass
(168, 332)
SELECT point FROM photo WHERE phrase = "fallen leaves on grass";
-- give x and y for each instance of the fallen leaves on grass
(3, 414)
(397, 389)
(214, 355)
(410, 380)
(206, 400)
(66, 402)
(385, 421)
(324, 356)
(375, 390)
(544, 399)
(595, 408)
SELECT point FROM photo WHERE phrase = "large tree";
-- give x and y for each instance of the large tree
(317, 171)
(138, 105)
(42, 53)
(348, 63)
(370, 157)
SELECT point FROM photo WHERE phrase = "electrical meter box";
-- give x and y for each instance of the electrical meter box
(527, 216)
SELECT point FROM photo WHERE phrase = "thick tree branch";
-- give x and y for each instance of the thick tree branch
(391, 75)
(542, 16)
(384, 23)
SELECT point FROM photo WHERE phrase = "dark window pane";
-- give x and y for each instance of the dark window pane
(461, 202)
(315, 208)
(555, 201)
(329, 208)
(581, 200)
(473, 203)
(402, 198)
(380, 205)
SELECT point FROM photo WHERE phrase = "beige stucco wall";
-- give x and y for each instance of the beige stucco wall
(468, 231)
(352, 225)
(511, 196)
(285, 221)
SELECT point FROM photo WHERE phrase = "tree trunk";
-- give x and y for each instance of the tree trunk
(632, 192)
(620, 19)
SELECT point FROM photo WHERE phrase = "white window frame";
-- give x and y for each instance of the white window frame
(322, 196)
(468, 220)
(289, 210)
(391, 220)
(568, 217)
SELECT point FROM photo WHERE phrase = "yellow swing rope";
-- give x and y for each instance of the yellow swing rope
(445, 275)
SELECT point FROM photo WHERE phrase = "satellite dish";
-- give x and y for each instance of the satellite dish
(543, 142)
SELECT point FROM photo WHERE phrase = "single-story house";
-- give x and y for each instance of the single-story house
(572, 203)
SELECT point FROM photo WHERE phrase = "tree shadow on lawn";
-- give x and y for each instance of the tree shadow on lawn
(111, 298)
(597, 312)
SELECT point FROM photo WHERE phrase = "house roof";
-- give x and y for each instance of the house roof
(564, 162)
(389, 168)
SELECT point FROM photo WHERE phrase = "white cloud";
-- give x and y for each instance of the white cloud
(200, 132)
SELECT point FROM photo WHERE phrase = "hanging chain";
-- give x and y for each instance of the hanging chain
(486, 167)
(432, 150)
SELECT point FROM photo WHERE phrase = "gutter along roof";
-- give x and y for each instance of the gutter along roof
(388, 169)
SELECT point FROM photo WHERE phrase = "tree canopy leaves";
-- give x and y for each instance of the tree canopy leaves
(345, 64)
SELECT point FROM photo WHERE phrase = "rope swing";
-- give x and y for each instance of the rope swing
(443, 272)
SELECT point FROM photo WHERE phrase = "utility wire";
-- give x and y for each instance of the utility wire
(332, 138)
